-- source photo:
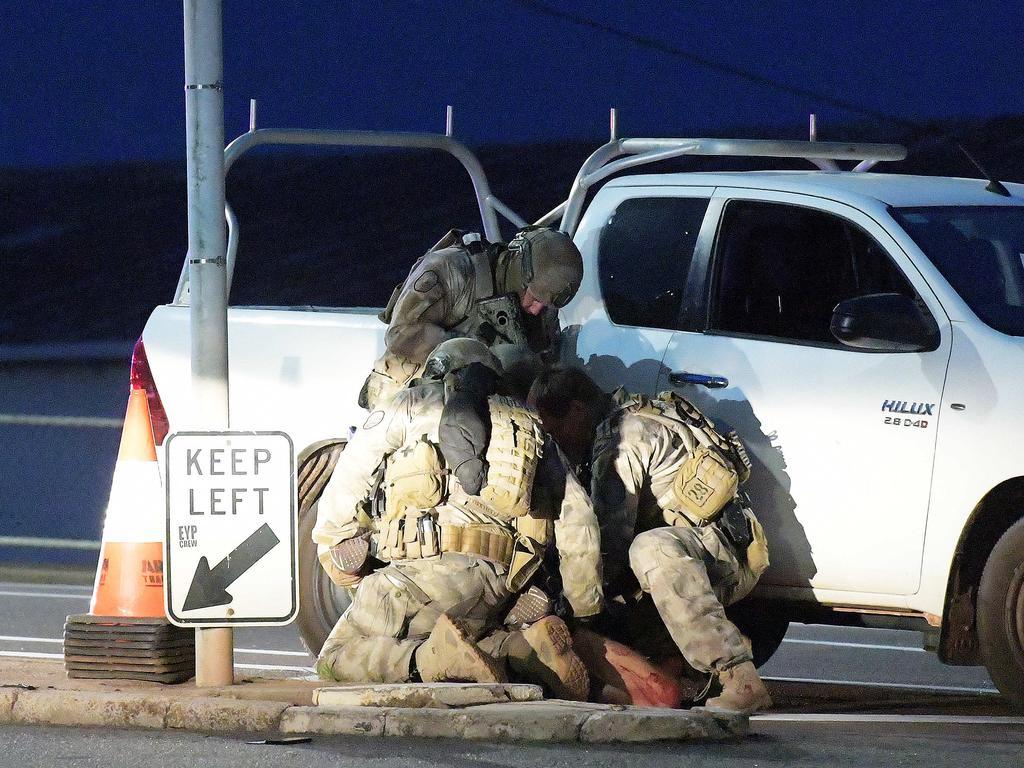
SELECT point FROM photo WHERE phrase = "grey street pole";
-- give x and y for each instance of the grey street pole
(208, 314)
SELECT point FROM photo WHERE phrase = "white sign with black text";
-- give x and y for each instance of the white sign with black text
(230, 556)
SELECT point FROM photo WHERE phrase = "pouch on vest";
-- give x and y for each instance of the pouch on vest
(391, 545)
(526, 559)
(729, 444)
(415, 479)
(734, 524)
(513, 452)
(704, 484)
(541, 530)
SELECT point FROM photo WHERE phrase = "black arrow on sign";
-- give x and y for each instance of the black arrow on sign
(209, 585)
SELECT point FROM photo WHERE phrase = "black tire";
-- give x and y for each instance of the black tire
(321, 601)
(761, 625)
(1001, 614)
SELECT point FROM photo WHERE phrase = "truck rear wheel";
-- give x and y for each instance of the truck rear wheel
(1001, 614)
(321, 601)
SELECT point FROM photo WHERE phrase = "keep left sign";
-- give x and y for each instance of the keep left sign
(230, 555)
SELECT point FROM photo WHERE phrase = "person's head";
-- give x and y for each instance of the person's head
(543, 267)
(455, 354)
(570, 405)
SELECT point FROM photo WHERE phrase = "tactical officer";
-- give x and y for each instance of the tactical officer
(505, 295)
(665, 488)
(454, 560)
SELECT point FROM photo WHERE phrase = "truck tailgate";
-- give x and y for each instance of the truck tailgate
(294, 370)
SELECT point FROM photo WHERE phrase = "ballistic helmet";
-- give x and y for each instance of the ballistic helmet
(550, 263)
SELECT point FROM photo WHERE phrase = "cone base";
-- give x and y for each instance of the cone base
(129, 580)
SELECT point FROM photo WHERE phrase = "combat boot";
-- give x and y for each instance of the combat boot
(543, 652)
(450, 655)
(742, 691)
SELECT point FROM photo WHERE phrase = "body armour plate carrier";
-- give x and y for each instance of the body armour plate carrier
(710, 476)
(516, 446)
(417, 481)
(417, 478)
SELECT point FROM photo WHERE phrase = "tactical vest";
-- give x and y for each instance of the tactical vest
(516, 445)
(416, 481)
(710, 476)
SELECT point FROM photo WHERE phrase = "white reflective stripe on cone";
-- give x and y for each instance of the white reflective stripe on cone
(136, 510)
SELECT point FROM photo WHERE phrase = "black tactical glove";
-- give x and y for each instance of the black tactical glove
(560, 607)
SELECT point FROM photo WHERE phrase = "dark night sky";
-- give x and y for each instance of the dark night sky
(84, 82)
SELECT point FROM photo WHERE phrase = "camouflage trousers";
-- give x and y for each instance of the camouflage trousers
(690, 574)
(395, 608)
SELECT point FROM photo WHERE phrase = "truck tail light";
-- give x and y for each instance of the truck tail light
(142, 378)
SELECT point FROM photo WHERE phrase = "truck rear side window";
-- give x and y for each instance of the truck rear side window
(781, 270)
(980, 251)
(644, 257)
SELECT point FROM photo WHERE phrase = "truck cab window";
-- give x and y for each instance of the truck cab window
(644, 257)
(781, 270)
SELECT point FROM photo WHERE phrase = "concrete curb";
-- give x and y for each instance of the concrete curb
(552, 721)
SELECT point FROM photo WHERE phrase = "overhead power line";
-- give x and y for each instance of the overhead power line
(716, 66)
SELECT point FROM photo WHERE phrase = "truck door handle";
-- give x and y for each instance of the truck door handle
(711, 382)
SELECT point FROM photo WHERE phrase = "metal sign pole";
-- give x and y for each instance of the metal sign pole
(204, 135)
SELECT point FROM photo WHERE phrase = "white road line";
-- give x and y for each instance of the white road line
(41, 420)
(868, 646)
(912, 686)
(22, 585)
(32, 655)
(264, 652)
(252, 651)
(42, 542)
(307, 670)
(61, 595)
(18, 639)
(846, 718)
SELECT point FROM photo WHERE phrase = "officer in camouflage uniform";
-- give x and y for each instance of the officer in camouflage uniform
(455, 561)
(507, 296)
(665, 488)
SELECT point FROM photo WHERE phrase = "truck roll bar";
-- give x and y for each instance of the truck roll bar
(603, 163)
(489, 205)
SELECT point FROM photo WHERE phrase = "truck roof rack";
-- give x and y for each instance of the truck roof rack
(620, 154)
(489, 205)
(617, 155)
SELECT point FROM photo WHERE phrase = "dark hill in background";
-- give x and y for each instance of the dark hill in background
(87, 252)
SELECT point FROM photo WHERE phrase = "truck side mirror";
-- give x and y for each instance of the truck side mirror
(884, 322)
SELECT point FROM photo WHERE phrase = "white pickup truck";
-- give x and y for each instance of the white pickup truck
(861, 331)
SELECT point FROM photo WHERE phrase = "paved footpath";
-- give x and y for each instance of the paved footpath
(37, 691)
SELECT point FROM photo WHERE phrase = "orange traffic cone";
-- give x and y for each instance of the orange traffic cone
(126, 633)
(129, 580)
